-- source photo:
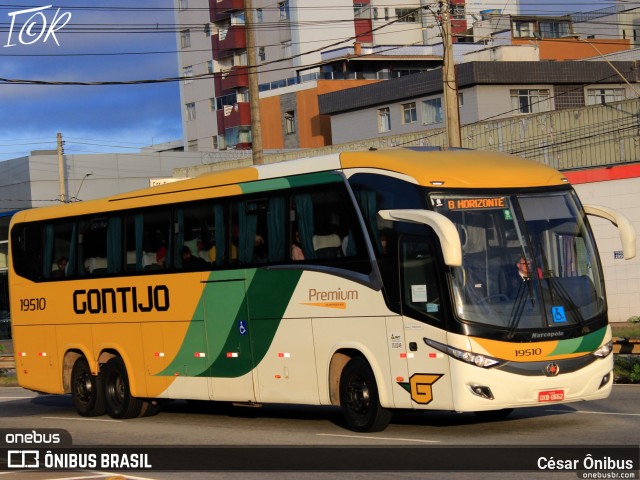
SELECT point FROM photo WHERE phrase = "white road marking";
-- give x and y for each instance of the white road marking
(417, 440)
(597, 413)
(84, 419)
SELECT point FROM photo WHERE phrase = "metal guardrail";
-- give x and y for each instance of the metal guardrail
(7, 362)
(623, 346)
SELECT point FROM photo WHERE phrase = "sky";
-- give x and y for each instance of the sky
(87, 41)
(100, 41)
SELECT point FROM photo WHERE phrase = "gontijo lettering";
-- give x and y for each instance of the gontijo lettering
(473, 203)
(120, 300)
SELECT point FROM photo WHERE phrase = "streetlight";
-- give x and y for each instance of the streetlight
(81, 182)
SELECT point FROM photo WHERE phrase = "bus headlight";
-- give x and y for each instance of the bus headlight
(476, 359)
(604, 350)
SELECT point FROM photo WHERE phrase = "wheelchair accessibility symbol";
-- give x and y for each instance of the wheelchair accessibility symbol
(558, 314)
(242, 327)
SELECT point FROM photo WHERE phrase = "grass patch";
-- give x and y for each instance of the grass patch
(8, 379)
(626, 329)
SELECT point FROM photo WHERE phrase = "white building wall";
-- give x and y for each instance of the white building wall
(622, 277)
(200, 130)
(32, 181)
(398, 33)
(316, 25)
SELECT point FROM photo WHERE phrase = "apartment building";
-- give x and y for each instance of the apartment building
(291, 38)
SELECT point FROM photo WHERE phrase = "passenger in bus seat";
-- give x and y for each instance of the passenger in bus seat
(296, 248)
(189, 261)
(62, 268)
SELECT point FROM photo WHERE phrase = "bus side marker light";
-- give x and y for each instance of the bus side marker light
(407, 355)
(159, 354)
(284, 355)
(199, 355)
(278, 377)
(42, 354)
(232, 355)
(399, 379)
(22, 354)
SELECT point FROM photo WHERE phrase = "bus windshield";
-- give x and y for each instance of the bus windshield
(528, 260)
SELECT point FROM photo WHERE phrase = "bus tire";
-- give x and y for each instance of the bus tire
(86, 390)
(359, 398)
(119, 401)
(149, 408)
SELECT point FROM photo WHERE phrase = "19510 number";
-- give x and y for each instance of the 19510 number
(32, 304)
(528, 352)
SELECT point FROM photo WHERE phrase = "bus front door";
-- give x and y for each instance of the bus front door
(428, 380)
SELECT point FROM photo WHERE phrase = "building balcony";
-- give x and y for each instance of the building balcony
(227, 40)
(225, 6)
(235, 115)
(237, 77)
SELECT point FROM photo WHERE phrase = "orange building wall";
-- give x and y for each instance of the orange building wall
(314, 130)
(573, 49)
(270, 118)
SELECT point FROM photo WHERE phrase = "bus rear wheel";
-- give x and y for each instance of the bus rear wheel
(119, 401)
(86, 390)
(359, 398)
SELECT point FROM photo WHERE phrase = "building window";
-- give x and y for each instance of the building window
(409, 114)
(210, 66)
(600, 96)
(458, 12)
(290, 121)
(386, 13)
(187, 73)
(185, 38)
(432, 111)
(530, 101)
(523, 29)
(259, 15)
(191, 111)
(212, 104)
(262, 55)
(407, 15)
(184, 4)
(286, 49)
(361, 10)
(384, 120)
(214, 142)
(283, 8)
(553, 29)
(192, 145)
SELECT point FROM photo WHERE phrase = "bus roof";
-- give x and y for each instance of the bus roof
(449, 168)
(458, 168)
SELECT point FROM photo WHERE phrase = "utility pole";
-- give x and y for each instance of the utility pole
(61, 175)
(450, 88)
(252, 72)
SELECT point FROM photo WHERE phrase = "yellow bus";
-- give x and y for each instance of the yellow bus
(404, 279)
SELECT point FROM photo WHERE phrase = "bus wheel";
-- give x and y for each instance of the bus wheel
(120, 403)
(86, 390)
(149, 408)
(359, 398)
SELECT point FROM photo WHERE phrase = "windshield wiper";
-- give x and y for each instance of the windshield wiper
(519, 304)
(556, 287)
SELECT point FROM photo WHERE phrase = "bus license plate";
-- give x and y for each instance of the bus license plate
(551, 396)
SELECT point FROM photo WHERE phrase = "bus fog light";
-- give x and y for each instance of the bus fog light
(481, 391)
(605, 380)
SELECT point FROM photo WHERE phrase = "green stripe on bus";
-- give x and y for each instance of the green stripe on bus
(232, 342)
(588, 343)
(270, 184)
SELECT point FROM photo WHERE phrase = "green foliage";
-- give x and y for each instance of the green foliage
(1, 348)
(634, 319)
(627, 369)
